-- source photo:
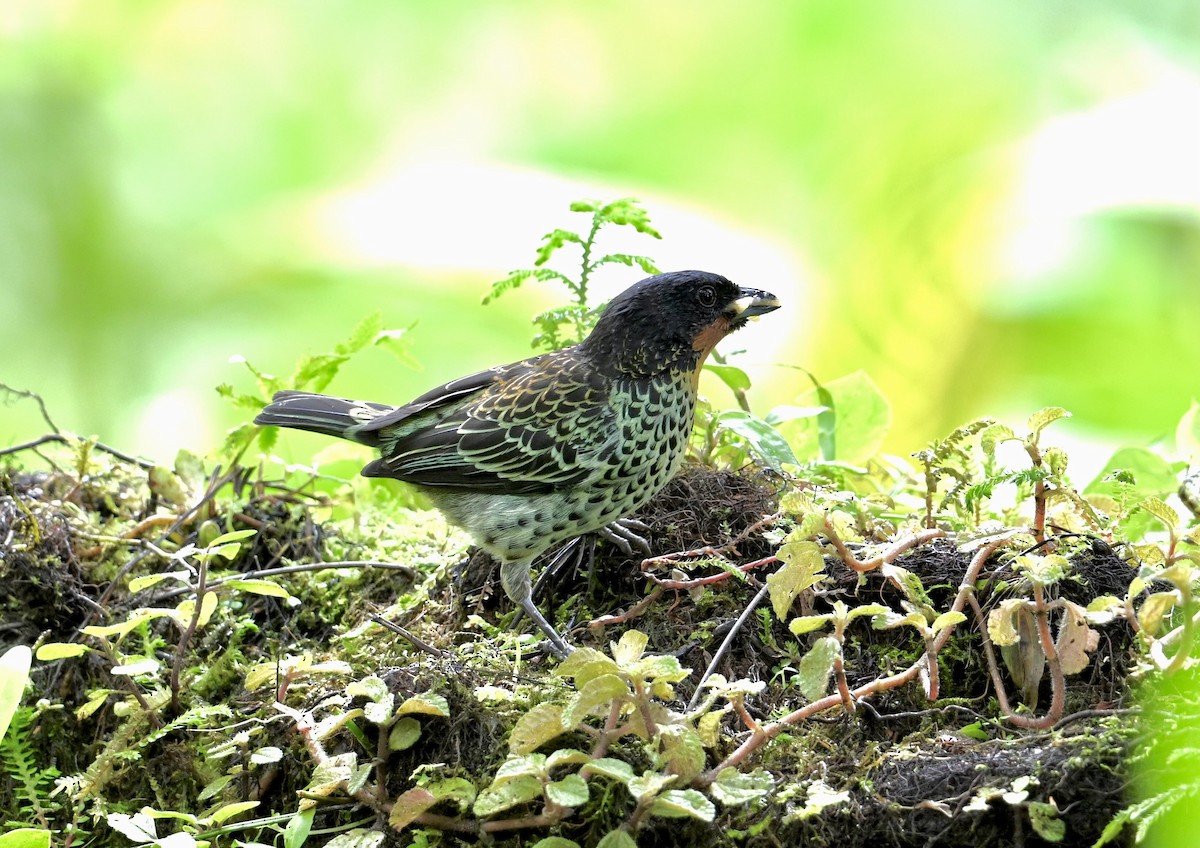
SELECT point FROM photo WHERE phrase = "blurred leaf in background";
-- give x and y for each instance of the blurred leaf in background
(987, 208)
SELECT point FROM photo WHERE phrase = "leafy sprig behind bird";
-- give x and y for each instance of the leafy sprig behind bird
(526, 455)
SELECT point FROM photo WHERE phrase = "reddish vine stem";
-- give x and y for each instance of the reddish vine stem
(854, 563)
(765, 733)
(1039, 495)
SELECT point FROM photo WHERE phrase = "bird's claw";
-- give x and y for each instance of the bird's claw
(625, 533)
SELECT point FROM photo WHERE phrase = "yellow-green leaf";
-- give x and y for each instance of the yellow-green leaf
(816, 666)
(808, 623)
(14, 674)
(1044, 417)
(1001, 622)
(404, 734)
(571, 791)
(536, 727)
(230, 810)
(1163, 512)
(260, 587)
(596, 697)
(803, 566)
(947, 619)
(425, 704)
(1152, 611)
(409, 805)
(630, 648)
(681, 803)
(496, 799)
(60, 651)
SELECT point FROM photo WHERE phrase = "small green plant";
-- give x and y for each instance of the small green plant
(569, 324)
(312, 373)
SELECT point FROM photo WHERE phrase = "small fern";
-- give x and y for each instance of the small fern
(31, 784)
(567, 325)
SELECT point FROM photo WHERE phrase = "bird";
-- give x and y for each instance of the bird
(526, 455)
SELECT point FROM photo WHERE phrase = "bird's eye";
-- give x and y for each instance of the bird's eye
(706, 296)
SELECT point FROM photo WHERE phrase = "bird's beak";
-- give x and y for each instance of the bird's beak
(751, 303)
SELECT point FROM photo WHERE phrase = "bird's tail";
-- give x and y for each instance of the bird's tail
(330, 416)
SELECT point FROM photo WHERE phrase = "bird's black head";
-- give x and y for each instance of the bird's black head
(671, 321)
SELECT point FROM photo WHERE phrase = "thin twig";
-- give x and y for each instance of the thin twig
(727, 644)
(417, 643)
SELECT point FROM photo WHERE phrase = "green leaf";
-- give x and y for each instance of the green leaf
(733, 787)
(56, 651)
(1154, 609)
(136, 620)
(497, 798)
(404, 734)
(584, 664)
(557, 842)
(630, 648)
(612, 768)
(596, 697)
(816, 666)
(295, 834)
(536, 727)
(571, 791)
(363, 334)
(1045, 821)
(947, 619)
(659, 668)
(864, 417)
(867, 609)
(803, 567)
(259, 587)
(616, 839)
(14, 674)
(425, 704)
(520, 766)
(735, 378)
(1152, 476)
(763, 439)
(645, 786)
(682, 751)
(370, 687)
(25, 837)
(1043, 418)
(682, 803)
(457, 789)
(139, 584)
(228, 811)
(629, 259)
(1187, 436)
(1163, 512)
(993, 435)
(234, 536)
(808, 623)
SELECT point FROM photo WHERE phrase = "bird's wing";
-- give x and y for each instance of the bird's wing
(533, 426)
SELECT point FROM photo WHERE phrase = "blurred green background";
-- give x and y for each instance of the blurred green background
(989, 207)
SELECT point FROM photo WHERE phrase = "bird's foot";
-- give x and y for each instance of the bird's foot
(558, 645)
(625, 533)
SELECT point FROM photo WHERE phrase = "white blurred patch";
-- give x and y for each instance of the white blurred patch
(476, 217)
(172, 420)
(1136, 151)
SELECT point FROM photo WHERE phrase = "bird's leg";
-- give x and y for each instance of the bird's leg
(514, 576)
(625, 533)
